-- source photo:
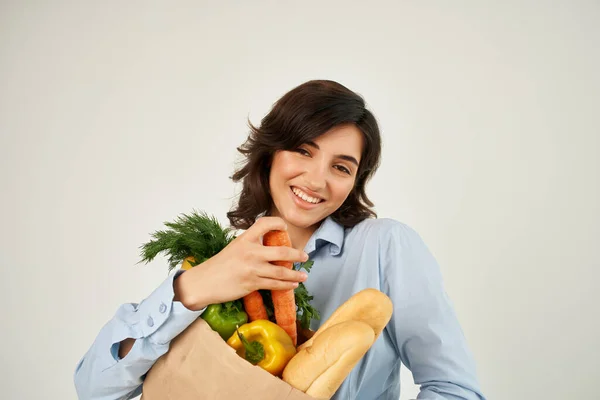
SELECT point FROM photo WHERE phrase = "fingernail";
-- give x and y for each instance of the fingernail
(304, 275)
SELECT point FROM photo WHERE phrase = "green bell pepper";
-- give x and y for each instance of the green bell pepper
(224, 318)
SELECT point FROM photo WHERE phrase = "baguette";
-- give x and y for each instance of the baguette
(320, 368)
(370, 306)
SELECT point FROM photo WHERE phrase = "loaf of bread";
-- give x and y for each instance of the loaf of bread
(319, 369)
(324, 361)
(369, 305)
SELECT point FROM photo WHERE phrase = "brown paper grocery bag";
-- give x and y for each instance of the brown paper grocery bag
(201, 366)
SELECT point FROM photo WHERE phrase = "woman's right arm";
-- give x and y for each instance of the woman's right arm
(132, 341)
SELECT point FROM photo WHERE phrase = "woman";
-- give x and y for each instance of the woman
(306, 168)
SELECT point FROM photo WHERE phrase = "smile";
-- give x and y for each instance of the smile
(300, 194)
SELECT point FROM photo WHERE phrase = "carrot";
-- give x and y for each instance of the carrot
(284, 301)
(254, 306)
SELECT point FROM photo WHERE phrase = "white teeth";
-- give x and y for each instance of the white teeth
(304, 196)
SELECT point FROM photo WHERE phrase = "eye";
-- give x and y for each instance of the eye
(303, 152)
(343, 169)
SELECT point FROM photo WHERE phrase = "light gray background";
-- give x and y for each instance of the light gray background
(117, 116)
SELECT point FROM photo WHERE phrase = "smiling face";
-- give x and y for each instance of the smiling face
(311, 182)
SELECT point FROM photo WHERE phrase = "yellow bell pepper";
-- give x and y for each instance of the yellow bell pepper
(265, 344)
(187, 263)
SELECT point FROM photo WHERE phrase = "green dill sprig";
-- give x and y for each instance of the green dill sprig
(201, 236)
(197, 234)
(306, 312)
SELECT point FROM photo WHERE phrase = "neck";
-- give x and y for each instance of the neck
(300, 236)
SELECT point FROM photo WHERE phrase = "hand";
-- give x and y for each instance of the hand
(241, 268)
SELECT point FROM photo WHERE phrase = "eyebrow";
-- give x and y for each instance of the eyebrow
(342, 156)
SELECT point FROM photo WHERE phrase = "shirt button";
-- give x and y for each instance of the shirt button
(162, 308)
(150, 322)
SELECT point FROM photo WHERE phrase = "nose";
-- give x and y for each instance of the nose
(316, 176)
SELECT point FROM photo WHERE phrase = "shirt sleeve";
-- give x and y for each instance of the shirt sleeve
(102, 375)
(424, 326)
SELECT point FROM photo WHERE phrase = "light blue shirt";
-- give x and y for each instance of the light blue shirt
(423, 334)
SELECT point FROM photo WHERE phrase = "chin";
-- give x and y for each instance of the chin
(301, 221)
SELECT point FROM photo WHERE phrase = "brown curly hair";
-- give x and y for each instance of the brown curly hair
(300, 116)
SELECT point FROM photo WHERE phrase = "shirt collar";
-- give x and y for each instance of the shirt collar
(329, 232)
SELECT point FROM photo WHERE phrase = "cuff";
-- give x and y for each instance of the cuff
(161, 319)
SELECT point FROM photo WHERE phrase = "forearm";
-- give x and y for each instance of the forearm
(107, 371)
(438, 390)
(125, 347)
(181, 291)
(190, 291)
(196, 289)
(425, 327)
(102, 377)
(434, 348)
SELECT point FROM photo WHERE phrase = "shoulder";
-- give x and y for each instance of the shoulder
(384, 228)
(388, 236)
(399, 248)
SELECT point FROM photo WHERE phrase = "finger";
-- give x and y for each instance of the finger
(283, 253)
(274, 284)
(264, 225)
(276, 272)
